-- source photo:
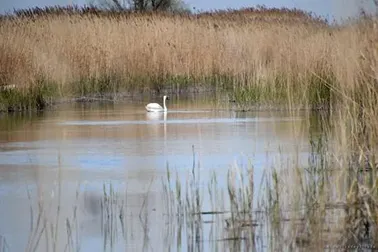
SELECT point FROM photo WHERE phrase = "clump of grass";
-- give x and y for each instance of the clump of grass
(240, 187)
(33, 97)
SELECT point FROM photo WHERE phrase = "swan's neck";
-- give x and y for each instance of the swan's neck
(165, 108)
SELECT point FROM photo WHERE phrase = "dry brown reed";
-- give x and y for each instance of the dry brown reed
(280, 49)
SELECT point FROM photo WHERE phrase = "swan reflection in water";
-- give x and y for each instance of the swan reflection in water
(156, 117)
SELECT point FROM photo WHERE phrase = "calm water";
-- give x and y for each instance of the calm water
(89, 145)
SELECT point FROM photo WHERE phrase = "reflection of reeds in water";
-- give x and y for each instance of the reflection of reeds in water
(185, 216)
(298, 207)
(322, 204)
(318, 206)
(109, 212)
(3, 244)
(44, 224)
(233, 226)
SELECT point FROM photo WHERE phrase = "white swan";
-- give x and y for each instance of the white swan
(155, 107)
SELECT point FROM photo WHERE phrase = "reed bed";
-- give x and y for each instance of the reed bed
(261, 55)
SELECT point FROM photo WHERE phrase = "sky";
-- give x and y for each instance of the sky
(331, 9)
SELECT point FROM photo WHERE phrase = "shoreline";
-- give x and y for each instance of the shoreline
(229, 105)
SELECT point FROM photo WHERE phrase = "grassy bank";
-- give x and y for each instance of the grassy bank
(259, 55)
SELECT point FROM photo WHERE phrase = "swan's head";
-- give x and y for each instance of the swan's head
(166, 97)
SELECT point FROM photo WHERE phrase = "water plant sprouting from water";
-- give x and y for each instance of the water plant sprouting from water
(323, 203)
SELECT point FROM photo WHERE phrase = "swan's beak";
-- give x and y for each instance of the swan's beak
(167, 98)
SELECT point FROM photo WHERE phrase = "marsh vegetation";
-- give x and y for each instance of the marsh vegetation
(259, 57)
